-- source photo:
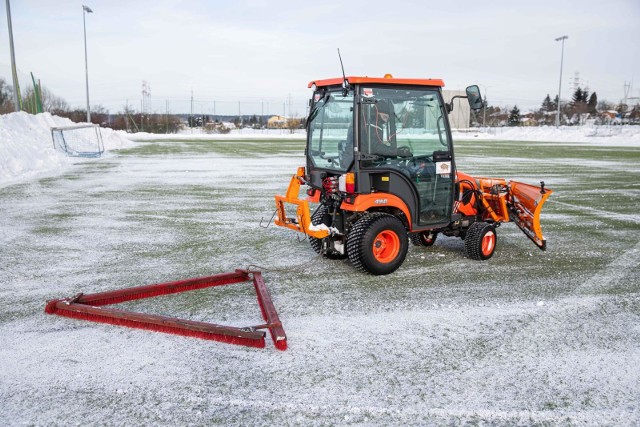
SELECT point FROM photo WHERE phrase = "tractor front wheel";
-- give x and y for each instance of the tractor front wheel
(377, 244)
(480, 241)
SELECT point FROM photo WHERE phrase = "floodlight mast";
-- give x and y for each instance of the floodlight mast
(562, 39)
(14, 72)
(86, 9)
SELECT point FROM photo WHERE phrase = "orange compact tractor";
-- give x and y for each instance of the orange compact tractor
(381, 167)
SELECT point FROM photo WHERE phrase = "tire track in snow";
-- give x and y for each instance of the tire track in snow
(571, 321)
(549, 345)
(612, 273)
(617, 270)
(600, 213)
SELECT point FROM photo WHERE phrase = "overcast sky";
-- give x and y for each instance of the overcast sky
(262, 53)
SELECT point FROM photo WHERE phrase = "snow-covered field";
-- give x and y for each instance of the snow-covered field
(526, 338)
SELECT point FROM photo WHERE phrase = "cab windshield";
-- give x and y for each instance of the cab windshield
(401, 123)
(330, 131)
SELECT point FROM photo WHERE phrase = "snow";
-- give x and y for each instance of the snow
(323, 227)
(26, 148)
(606, 135)
(526, 338)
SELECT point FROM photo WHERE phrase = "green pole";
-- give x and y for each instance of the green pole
(36, 94)
(40, 95)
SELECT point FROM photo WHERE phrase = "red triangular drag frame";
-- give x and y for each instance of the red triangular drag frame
(89, 307)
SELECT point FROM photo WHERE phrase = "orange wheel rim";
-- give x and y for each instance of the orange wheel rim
(488, 243)
(386, 246)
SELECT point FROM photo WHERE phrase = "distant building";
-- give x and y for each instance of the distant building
(499, 118)
(528, 119)
(276, 122)
(460, 117)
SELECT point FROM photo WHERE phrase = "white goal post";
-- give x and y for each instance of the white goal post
(81, 140)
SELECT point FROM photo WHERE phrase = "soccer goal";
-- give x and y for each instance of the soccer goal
(82, 140)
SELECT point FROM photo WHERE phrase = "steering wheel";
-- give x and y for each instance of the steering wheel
(406, 150)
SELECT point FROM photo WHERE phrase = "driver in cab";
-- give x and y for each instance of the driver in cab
(381, 132)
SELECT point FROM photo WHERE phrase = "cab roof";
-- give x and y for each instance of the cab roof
(388, 79)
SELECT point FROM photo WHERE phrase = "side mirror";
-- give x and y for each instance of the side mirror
(474, 97)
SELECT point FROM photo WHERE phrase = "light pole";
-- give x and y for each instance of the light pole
(14, 72)
(562, 39)
(484, 107)
(86, 66)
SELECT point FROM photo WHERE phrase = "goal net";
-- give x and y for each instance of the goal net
(83, 140)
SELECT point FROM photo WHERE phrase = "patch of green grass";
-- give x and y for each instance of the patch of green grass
(563, 402)
(59, 217)
(49, 230)
(545, 150)
(230, 147)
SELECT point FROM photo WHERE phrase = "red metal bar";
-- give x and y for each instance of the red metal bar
(269, 312)
(86, 307)
(148, 291)
(171, 325)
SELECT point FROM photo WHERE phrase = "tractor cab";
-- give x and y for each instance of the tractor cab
(381, 170)
(386, 136)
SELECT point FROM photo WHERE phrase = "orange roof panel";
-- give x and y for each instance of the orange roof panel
(379, 80)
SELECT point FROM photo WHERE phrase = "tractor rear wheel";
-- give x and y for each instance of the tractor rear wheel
(316, 244)
(480, 241)
(377, 244)
(426, 238)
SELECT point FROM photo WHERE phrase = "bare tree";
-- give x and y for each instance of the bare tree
(293, 124)
(6, 93)
(52, 103)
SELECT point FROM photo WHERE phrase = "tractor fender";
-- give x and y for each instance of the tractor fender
(366, 202)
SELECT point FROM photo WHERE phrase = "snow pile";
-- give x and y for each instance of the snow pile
(610, 135)
(26, 148)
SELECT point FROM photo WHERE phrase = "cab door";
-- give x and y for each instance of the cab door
(434, 184)
(414, 143)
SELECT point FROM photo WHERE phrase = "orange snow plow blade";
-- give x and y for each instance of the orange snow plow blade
(525, 205)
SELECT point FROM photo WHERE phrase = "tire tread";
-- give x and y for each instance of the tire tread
(357, 251)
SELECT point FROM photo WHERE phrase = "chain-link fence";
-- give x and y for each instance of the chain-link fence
(286, 107)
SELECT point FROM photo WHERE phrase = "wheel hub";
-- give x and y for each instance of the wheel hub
(386, 246)
(488, 242)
